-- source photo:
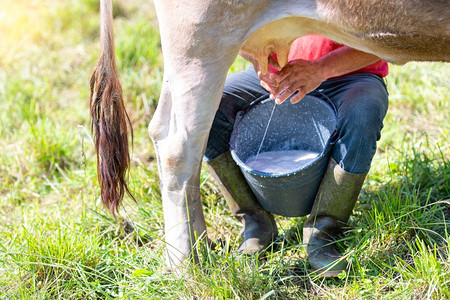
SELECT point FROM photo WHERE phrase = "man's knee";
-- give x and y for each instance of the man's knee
(364, 109)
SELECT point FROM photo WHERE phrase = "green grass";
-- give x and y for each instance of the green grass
(57, 241)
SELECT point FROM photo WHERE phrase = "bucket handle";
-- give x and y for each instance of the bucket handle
(240, 114)
(335, 135)
(257, 100)
(326, 99)
(244, 111)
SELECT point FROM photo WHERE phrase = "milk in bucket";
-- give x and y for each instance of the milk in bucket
(281, 162)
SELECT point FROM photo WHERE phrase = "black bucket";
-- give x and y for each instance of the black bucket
(308, 125)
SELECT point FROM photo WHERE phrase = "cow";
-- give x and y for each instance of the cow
(200, 40)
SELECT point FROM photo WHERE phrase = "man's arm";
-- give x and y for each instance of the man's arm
(305, 76)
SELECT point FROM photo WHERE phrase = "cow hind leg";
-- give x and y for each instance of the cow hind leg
(179, 130)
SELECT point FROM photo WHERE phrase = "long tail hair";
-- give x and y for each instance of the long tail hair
(110, 121)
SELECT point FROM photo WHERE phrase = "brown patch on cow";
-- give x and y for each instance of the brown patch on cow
(416, 29)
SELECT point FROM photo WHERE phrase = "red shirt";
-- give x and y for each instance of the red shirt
(313, 46)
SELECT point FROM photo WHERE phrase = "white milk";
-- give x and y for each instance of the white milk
(280, 162)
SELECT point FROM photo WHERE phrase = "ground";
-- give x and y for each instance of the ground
(57, 241)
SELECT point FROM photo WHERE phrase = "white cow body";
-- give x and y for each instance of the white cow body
(201, 39)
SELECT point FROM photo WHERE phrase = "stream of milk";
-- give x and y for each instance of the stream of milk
(280, 162)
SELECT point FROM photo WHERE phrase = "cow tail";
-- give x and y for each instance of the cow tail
(110, 121)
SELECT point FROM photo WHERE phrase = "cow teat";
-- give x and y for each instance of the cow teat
(281, 52)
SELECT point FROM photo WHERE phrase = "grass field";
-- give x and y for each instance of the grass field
(57, 242)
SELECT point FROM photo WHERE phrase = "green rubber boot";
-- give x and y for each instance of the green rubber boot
(260, 228)
(332, 207)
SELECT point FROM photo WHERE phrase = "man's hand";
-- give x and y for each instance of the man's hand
(304, 76)
(299, 76)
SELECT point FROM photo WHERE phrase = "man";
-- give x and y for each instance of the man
(353, 81)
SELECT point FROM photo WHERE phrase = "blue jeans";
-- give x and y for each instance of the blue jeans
(361, 101)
